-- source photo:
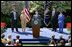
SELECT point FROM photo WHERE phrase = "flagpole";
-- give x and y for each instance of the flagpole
(25, 10)
(23, 17)
(26, 4)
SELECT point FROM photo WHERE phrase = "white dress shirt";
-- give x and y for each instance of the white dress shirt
(14, 15)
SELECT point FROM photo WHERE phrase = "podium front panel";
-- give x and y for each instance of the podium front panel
(36, 31)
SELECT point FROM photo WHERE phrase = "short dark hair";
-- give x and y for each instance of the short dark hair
(2, 36)
(53, 36)
(17, 36)
(9, 36)
(69, 36)
(9, 42)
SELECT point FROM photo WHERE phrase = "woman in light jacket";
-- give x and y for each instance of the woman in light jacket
(23, 21)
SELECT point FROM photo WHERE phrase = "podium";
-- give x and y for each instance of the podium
(36, 31)
(36, 25)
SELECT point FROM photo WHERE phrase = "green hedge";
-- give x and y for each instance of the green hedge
(6, 18)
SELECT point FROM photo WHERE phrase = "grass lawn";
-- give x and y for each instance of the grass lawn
(35, 45)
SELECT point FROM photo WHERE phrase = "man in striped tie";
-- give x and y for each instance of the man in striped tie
(25, 16)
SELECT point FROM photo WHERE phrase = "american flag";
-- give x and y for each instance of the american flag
(26, 13)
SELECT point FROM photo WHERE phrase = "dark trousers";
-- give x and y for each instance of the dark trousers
(54, 25)
(14, 24)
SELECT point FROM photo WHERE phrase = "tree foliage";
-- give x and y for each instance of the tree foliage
(6, 6)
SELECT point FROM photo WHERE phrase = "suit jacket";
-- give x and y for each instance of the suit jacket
(55, 18)
(12, 16)
(36, 18)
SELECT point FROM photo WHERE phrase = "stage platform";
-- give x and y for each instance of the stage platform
(45, 35)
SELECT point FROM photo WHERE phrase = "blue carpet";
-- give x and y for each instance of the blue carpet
(45, 34)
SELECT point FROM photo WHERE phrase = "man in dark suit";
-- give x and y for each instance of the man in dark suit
(14, 17)
(36, 23)
(54, 19)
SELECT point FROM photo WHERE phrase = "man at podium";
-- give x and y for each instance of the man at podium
(36, 22)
